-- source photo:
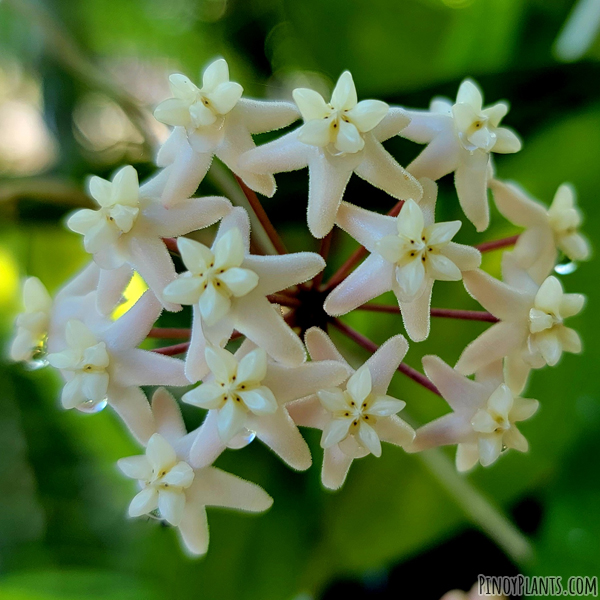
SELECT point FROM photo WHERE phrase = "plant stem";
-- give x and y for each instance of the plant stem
(446, 313)
(173, 350)
(367, 344)
(170, 333)
(284, 300)
(171, 244)
(356, 256)
(478, 509)
(260, 213)
(324, 249)
(497, 244)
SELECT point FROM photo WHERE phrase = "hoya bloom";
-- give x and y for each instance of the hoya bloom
(483, 418)
(408, 254)
(531, 332)
(101, 363)
(32, 324)
(358, 415)
(247, 394)
(548, 230)
(460, 138)
(228, 288)
(126, 232)
(337, 139)
(213, 120)
(175, 492)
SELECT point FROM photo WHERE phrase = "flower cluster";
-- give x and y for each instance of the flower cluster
(287, 372)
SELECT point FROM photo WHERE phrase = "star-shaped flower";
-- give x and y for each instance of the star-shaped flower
(484, 415)
(460, 138)
(101, 363)
(531, 332)
(247, 394)
(408, 253)
(547, 229)
(337, 139)
(227, 288)
(129, 227)
(357, 416)
(213, 120)
(32, 324)
(175, 492)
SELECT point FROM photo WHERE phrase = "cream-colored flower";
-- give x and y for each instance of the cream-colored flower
(483, 418)
(337, 139)
(33, 323)
(460, 138)
(408, 254)
(547, 229)
(531, 332)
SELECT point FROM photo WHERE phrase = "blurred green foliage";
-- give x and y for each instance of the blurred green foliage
(63, 533)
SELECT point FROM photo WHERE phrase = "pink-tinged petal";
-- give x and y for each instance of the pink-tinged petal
(297, 382)
(132, 406)
(516, 371)
(373, 277)
(262, 323)
(279, 432)
(515, 276)
(284, 154)
(439, 158)
(82, 283)
(516, 206)
(188, 215)
(167, 416)
(394, 430)
(185, 174)
(194, 528)
(335, 468)
(308, 412)
(498, 341)
(237, 218)
(214, 487)
(236, 141)
(383, 363)
(141, 367)
(172, 146)
(392, 124)
(320, 347)
(277, 273)
(466, 258)
(471, 179)
(132, 328)
(207, 445)
(463, 395)
(365, 226)
(415, 314)
(447, 430)
(502, 300)
(151, 259)
(262, 116)
(111, 286)
(144, 502)
(328, 177)
(380, 169)
(426, 125)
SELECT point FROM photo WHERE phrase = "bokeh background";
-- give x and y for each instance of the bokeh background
(77, 83)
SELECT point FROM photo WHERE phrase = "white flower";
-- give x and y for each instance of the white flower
(183, 501)
(213, 120)
(460, 138)
(32, 324)
(247, 393)
(408, 253)
(129, 227)
(101, 363)
(547, 229)
(484, 415)
(354, 420)
(163, 479)
(531, 332)
(227, 288)
(336, 140)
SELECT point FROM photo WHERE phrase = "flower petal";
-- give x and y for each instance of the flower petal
(144, 502)
(311, 104)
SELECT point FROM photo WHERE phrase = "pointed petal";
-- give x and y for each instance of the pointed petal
(111, 286)
(320, 347)
(133, 408)
(348, 138)
(232, 418)
(392, 124)
(335, 468)
(263, 115)
(440, 157)
(507, 141)
(365, 226)
(286, 153)
(467, 456)
(207, 446)
(332, 399)
(136, 467)
(441, 268)
(160, 454)
(344, 94)
(490, 447)
(410, 280)
(141, 367)
(171, 505)
(516, 206)
(570, 340)
(335, 431)
(415, 314)
(447, 430)
(466, 258)
(471, 178)
(367, 114)
(144, 502)
(167, 416)
(394, 430)
(383, 363)
(194, 528)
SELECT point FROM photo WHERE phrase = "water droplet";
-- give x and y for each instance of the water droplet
(242, 439)
(91, 408)
(566, 268)
(38, 358)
